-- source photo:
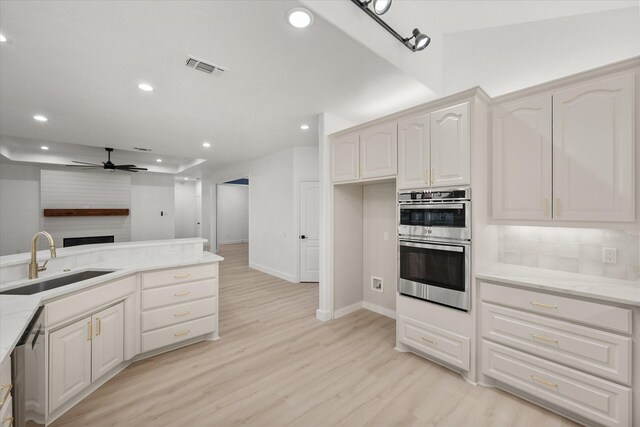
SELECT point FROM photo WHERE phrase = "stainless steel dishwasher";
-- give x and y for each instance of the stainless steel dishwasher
(28, 371)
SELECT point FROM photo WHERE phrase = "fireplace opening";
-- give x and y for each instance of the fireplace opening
(77, 241)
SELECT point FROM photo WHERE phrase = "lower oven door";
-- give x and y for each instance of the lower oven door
(436, 272)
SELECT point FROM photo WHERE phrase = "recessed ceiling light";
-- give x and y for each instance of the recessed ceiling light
(145, 87)
(304, 127)
(44, 147)
(186, 179)
(40, 118)
(159, 160)
(206, 144)
(300, 17)
(2, 38)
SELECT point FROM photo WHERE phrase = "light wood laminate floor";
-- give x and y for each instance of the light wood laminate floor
(275, 364)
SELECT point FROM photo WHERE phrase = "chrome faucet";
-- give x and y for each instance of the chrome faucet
(33, 265)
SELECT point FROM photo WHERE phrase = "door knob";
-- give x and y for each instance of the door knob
(302, 236)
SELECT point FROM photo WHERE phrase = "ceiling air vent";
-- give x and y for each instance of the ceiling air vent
(142, 149)
(196, 64)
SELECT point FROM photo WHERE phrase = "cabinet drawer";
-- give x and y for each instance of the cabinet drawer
(591, 313)
(179, 275)
(166, 316)
(602, 353)
(176, 333)
(6, 413)
(439, 343)
(593, 398)
(178, 293)
(6, 384)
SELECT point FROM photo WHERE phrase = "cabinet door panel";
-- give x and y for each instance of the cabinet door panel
(593, 151)
(379, 152)
(413, 152)
(69, 362)
(344, 158)
(522, 167)
(108, 340)
(451, 146)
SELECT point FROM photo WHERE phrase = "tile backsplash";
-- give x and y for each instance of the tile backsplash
(576, 250)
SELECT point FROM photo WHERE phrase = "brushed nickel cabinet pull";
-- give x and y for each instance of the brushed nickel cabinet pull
(89, 330)
(546, 206)
(7, 393)
(539, 304)
(182, 313)
(98, 326)
(433, 176)
(543, 381)
(179, 334)
(542, 338)
(181, 276)
(181, 293)
(557, 206)
(428, 341)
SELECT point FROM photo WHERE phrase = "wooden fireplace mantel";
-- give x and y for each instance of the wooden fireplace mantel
(86, 212)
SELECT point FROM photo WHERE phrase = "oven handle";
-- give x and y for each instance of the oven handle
(434, 206)
(430, 246)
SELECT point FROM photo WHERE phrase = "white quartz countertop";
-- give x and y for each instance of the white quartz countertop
(17, 310)
(601, 288)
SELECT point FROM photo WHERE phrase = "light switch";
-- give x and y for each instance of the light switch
(386, 235)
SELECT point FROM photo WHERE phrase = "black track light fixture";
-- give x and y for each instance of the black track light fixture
(380, 7)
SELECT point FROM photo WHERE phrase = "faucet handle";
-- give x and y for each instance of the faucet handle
(44, 266)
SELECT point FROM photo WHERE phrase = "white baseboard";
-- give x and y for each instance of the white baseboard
(362, 304)
(232, 242)
(378, 309)
(347, 310)
(272, 272)
(323, 316)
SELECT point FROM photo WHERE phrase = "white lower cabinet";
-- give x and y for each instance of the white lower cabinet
(590, 397)
(571, 354)
(82, 352)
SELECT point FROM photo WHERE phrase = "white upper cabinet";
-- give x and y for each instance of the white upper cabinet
(593, 150)
(108, 342)
(345, 158)
(379, 151)
(522, 156)
(414, 157)
(451, 146)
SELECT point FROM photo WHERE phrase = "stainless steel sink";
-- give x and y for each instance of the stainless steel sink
(46, 285)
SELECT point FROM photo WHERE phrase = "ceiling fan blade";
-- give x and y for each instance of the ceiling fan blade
(125, 166)
(130, 167)
(87, 166)
(84, 163)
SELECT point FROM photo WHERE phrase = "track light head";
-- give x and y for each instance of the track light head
(420, 40)
(380, 7)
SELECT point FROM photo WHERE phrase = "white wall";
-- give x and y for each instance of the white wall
(379, 250)
(19, 207)
(233, 213)
(186, 209)
(511, 57)
(151, 195)
(21, 214)
(273, 208)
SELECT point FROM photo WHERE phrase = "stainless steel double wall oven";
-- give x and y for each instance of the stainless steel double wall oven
(434, 238)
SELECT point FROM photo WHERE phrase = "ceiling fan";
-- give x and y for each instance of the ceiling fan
(108, 165)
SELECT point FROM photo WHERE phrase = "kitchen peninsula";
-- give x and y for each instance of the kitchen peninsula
(146, 298)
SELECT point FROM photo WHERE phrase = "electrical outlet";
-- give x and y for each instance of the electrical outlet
(386, 235)
(610, 255)
(376, 284)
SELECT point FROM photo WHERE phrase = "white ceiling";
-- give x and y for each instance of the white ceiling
(79, 63)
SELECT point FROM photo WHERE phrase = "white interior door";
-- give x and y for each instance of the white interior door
(309, 199)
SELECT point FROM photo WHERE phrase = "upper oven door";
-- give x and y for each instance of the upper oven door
(439, 220)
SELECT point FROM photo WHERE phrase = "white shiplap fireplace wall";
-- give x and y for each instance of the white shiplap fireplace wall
(84, 190)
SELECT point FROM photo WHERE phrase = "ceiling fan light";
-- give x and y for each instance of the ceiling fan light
(380, 7)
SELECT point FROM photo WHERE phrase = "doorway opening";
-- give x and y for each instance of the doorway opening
(232, 213)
